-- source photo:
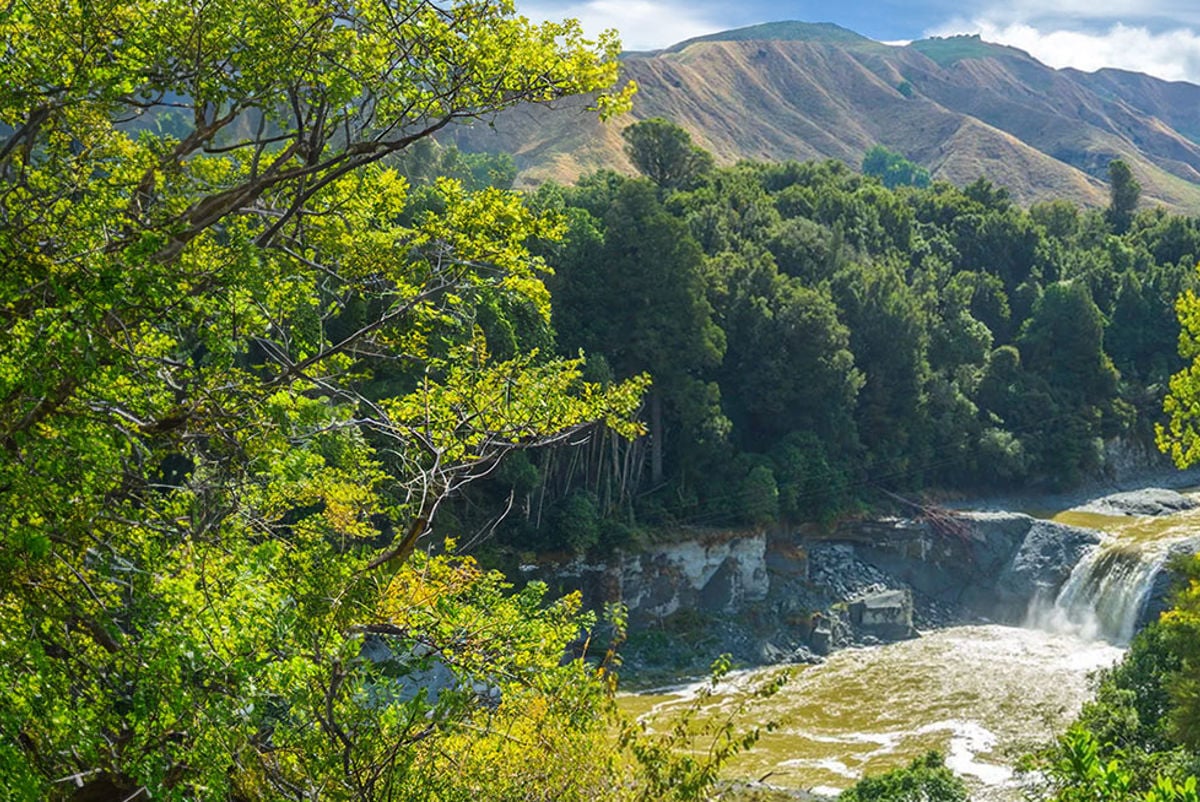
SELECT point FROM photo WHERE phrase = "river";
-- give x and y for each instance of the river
(983, 695)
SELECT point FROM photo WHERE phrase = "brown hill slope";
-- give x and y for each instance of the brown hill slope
(961, 107)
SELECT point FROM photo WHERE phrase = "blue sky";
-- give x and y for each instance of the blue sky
(1160, 37)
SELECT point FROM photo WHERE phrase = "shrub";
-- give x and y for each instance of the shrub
(926, 779)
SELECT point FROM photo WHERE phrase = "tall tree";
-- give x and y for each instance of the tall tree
(1062, 347)
(209, 506)
(1064, 343)
(639, 300)
(889, 340)
(664, 153)
(1124, 192)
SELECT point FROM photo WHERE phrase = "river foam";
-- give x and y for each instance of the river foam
(979, 694)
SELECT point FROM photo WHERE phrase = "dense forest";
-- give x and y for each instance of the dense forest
(815, 334)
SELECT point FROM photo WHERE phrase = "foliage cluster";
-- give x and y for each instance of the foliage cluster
(246, 360)
(892, 168)
(813, 335)
(925, 779)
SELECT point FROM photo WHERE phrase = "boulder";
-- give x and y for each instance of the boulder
(1151, 501)
(886, 615)
(821, 641)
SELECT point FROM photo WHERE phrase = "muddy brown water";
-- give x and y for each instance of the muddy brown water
(982, 695)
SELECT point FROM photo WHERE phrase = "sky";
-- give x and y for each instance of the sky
(1158, 37)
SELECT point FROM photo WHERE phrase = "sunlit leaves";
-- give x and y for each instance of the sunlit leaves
(461, 415)
(1179, 436)
(238, 358)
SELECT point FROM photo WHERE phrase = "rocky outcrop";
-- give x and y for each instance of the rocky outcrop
(1151, 501)
(991, 564)
(1038, 568)
(1159, 596)
(714, 574)
(885, 614)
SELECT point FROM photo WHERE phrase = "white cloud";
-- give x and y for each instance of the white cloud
(1181, 12)
(643, 25)
(1173, 55)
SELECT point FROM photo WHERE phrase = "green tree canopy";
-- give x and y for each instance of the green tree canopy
(664, 153)
(1124, 192)
(788, 365)
(893, 169)
(241, 372)
(925, 779)
(1063, 342)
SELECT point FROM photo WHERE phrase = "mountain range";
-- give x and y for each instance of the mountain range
(959, 106)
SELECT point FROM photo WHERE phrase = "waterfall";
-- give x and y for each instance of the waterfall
(1110, 590)
(1105, 595)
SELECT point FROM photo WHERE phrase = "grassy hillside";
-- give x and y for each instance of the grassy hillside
(953, 49)
(959, 106)
(785, 32)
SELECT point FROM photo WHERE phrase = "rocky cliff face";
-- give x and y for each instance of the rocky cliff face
(788, 596)
(990, 567)
(717, 574)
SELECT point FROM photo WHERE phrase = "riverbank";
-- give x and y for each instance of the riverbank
(1156, 473)
(871, 581)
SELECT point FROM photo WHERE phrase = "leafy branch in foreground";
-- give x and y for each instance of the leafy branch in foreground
(243, 367)
(684, 760)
